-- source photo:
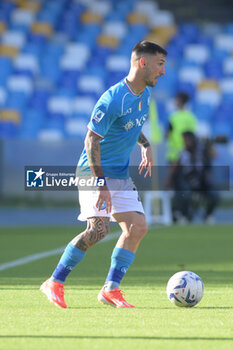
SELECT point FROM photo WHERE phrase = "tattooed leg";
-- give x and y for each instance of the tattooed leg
(97, 229)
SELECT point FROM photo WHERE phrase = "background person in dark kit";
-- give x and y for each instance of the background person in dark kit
(191, 178)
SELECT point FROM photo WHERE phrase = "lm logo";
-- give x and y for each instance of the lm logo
(35, 178)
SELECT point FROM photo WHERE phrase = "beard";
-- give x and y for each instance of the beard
(151, 83)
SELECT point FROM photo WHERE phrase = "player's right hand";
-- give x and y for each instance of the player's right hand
(104, 197)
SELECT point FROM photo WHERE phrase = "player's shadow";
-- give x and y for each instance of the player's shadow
(114, 337)
(188, 308)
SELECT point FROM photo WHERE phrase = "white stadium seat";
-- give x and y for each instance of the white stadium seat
(83, 105)
(101, 7)
(81, 51)
(227, 85)
(27, 61)
(117, 63)
(3, 96)
(192, 75)
(69, 62)
(146, 7)
(13, 38)
(197, 53)
(20, 83)
(89, 83)
(161, 18)
(76, 126)
(20, 16)
(203, 129)
(60, 104)
(116, 29)
(228, 66)
(50, 135)
(224, 42)
(208, 96)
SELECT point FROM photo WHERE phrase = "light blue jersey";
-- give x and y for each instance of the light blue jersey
(117, 118)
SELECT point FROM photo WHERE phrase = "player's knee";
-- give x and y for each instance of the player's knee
(99, 231)
(139, 230)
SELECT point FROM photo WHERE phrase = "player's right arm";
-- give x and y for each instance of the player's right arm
(92, 145)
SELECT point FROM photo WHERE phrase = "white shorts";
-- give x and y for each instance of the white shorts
(124, 198)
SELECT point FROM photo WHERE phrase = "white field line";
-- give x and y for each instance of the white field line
(42, 255)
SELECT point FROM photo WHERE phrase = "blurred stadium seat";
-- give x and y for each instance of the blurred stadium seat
(58, 57)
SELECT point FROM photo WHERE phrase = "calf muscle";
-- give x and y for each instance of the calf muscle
(97, 229)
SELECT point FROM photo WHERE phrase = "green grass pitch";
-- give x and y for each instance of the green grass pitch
(28, 321)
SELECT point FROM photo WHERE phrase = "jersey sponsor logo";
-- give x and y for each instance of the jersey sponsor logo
(98, 116)
(129, 110)
(140, 121)
(129, 125)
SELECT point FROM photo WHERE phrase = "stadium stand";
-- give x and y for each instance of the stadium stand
(57, 58)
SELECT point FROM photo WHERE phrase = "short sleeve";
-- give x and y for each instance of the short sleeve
(103, 115)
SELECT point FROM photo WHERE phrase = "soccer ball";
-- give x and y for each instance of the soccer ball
(185, 289)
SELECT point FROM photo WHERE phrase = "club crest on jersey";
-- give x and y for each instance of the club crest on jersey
(140, 106)
(98, 116)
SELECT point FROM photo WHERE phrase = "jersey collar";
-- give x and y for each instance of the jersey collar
(133, 93)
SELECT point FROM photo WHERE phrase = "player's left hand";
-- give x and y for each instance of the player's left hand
(147, 161)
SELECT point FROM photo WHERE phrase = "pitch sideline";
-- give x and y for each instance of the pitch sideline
(34, 257)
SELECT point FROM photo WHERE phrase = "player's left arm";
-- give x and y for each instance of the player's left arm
(147, 159)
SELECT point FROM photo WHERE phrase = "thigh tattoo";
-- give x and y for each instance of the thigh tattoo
(97, 229)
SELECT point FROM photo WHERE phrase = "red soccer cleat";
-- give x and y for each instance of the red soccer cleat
(55, 292)
(113, 298)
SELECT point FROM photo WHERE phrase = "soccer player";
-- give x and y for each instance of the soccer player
(113, 131)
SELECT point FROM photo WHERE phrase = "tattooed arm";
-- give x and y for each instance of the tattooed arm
(147, 159)
(92, 145)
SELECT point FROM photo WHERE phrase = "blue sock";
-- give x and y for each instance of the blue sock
(69, 259)
(120, 262)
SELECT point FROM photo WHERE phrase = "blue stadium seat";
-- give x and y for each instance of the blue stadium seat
(204, 111)
(213, 69)
(186, 87)
(39, 99)
(17, 100)
(69, 78)
(6, 69)
(8, 130)
(32, 122)
(222, 128)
